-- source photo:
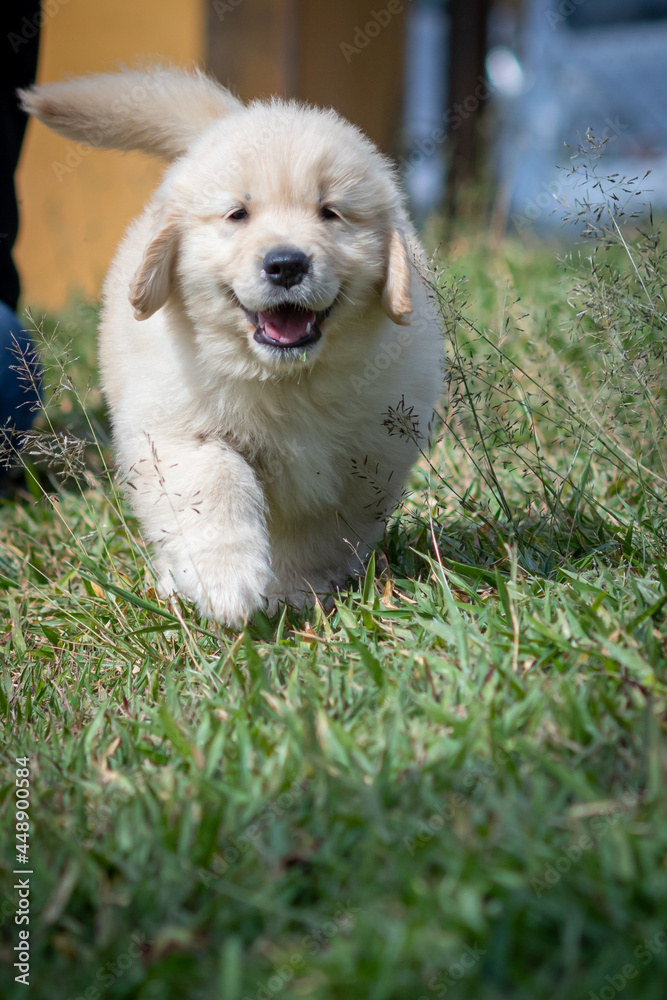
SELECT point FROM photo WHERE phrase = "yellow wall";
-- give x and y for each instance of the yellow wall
(70, 226)
(306, 49)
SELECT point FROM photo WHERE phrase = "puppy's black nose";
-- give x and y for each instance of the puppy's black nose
(286, 267)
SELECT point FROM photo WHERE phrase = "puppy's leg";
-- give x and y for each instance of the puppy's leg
(316, 555)
(201, 505)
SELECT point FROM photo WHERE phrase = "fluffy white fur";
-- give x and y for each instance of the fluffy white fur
(261, 474)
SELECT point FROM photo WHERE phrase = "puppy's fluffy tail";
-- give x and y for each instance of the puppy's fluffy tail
(158, 110)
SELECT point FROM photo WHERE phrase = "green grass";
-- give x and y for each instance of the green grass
(451, 785)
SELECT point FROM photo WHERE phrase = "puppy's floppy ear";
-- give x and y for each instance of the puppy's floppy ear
(150, 287)
(397, 294)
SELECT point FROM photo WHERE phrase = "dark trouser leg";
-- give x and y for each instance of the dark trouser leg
(19, 369)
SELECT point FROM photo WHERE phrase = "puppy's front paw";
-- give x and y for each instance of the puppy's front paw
(228, 590)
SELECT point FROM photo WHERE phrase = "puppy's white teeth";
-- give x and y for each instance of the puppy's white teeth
(308, 328)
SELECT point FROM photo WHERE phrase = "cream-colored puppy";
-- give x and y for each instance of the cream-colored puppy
(262, 319)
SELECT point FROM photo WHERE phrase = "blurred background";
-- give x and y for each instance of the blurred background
(479, 102)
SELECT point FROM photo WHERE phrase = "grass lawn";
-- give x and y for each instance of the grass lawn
(451, 785)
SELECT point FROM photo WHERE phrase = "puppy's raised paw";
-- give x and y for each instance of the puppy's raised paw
(229, 591)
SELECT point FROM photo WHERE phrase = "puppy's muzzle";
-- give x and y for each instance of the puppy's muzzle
(285, 266)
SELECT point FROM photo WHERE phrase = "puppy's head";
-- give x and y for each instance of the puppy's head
(280, 229)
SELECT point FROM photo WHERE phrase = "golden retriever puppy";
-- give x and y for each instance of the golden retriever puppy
(262, 319)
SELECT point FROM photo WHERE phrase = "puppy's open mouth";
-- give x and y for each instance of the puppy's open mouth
(287, 326)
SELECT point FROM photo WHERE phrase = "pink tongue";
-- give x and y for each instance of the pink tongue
(287, 325)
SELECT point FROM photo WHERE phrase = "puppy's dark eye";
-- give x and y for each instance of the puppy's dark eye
(239, 215)
(328, 213)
